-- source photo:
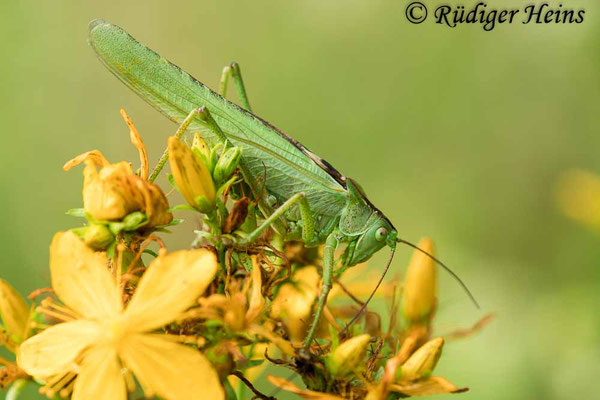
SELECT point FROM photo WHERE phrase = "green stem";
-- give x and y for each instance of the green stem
(16, 389)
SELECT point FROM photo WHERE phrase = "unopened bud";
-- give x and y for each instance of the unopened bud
(191, 176)
(202, 149)
(97, 236)
(577, 194)
(422, 362)
(420, 287)
(14, 312)
(227, 164)
(348, 355)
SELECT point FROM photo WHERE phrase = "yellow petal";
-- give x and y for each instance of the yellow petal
(170, 285)
(257, 301)
(54, 350)
(294, 300)
(81, 279)
(14, 311)
(94, 155)
(100, 376)
(136, 140)
(304, 393)
(429, 387)
(170, 370)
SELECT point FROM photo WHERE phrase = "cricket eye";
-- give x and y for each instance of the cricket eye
(381, 234)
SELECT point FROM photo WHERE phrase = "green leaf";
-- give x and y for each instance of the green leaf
(112, 249)
(171, 180)
(180, 207)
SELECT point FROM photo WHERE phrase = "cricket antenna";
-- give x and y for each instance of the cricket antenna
(364, 306)
(454, 275)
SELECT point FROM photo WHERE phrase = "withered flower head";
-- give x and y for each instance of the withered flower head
(115, 191)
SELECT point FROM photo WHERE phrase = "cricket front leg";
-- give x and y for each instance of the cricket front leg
(328, 258)
(234, 71)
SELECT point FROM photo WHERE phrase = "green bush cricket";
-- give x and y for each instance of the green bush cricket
(303, 198)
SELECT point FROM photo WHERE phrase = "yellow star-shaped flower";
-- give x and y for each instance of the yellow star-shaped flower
(105, 340)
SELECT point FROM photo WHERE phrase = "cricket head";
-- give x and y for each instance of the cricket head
(366, 227)
(379, 233)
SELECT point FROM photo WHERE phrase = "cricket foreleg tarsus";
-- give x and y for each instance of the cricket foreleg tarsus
(233, 70)
(308, 222)
(328, 260)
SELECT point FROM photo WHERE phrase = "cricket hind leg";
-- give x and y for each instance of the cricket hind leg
(308, 222)
(233, 70)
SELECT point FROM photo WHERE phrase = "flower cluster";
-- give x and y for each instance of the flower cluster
(121, 318)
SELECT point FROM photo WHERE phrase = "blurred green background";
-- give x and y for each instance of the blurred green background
(458, 134)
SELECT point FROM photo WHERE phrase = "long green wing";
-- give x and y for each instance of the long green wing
(289, 167)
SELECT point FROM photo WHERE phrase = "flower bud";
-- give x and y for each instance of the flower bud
(97, 236)
(227, 164)
(191, 176)
(200, 147)
(419, 295)
(14, 312)
(348, 355)
(578, 195)
(421, 362)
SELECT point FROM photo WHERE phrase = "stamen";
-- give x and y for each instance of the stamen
(57, 384)
(119, 266)
(48, 302)
(129, 380)
(68, 389)
(53, 314)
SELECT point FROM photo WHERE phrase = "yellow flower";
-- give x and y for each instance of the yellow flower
(14, 312)
(419, 295)
(191, 176)
(348, 355)
(103, 342)
(578, 196)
